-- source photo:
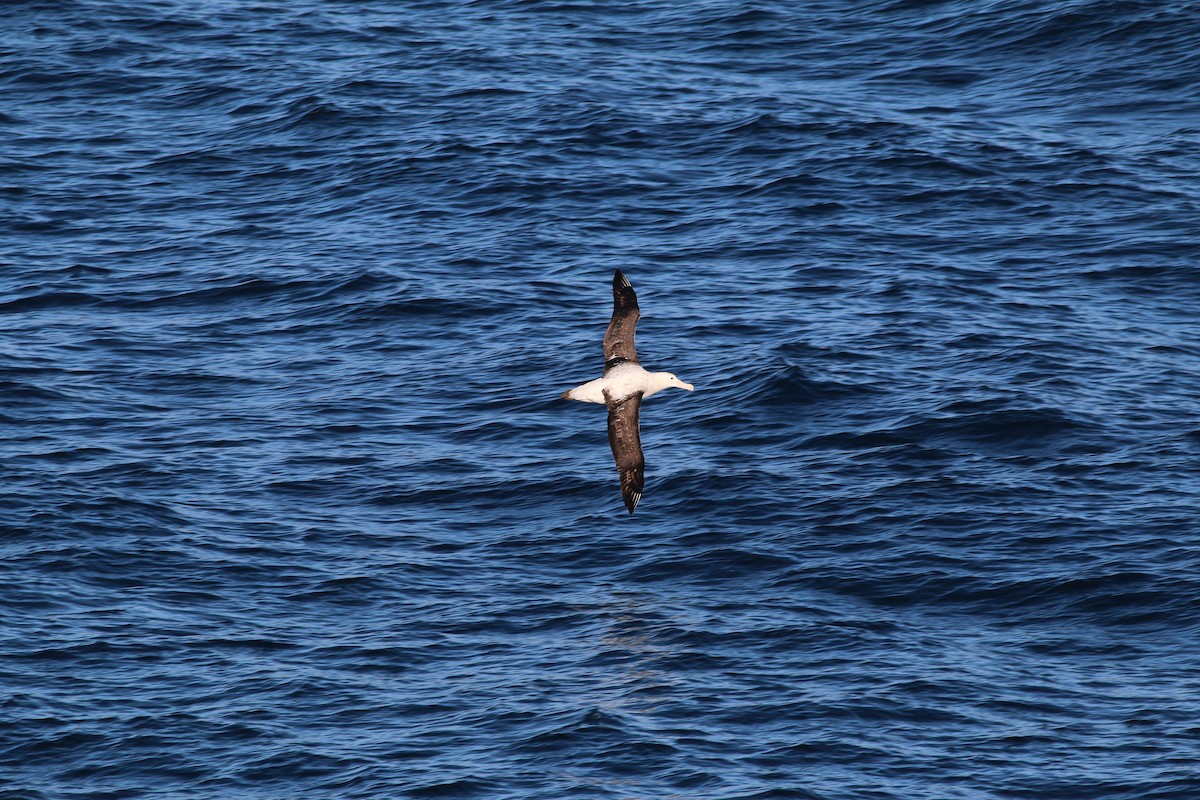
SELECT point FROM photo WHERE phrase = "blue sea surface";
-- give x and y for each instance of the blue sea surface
(290, 506)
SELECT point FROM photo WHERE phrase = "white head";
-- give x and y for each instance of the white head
(667, 380)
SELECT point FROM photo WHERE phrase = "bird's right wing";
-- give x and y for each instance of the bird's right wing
(618, 339)
(626, 442)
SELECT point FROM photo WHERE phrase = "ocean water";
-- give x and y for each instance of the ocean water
(289, 504)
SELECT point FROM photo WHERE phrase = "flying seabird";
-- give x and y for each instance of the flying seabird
(624, 385)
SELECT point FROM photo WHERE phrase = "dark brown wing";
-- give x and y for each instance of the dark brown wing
(618, 339)
(626, 442)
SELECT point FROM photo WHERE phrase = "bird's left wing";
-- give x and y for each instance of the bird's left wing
(618, 339)
(626, 442)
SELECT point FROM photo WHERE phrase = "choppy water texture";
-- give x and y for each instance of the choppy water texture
(291, 507)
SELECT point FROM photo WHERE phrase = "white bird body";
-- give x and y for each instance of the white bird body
(623, 381)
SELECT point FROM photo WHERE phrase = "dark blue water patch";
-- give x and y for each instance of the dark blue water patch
(989, 424)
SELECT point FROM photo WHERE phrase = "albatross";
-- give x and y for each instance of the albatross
(622, 388)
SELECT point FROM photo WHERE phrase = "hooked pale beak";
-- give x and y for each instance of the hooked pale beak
(688, 386)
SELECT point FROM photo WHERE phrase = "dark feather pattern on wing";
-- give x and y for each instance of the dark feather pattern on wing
(626, 442)
(618, 339)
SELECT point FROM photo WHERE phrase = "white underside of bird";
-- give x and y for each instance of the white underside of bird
(622, 381)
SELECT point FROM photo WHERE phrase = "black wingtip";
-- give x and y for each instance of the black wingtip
(624, 298)
(631, 500)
